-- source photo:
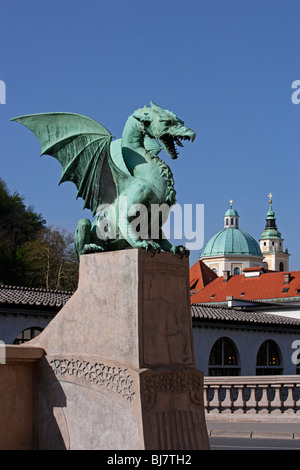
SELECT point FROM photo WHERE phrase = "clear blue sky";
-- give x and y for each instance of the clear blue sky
(224, 67)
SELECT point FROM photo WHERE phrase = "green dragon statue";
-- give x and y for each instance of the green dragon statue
(115, 178)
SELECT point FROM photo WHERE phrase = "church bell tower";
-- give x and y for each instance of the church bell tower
(271, 244)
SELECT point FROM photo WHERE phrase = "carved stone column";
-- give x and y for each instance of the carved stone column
(119, 370)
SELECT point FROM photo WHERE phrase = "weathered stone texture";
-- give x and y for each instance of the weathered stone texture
(119, 370)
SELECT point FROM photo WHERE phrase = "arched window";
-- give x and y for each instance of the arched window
(236, 271)
(281, 266)
(268, 361)
(223, 358)
(27, 335)
(215, 270)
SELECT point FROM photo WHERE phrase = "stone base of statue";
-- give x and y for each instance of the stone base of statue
(119, 370)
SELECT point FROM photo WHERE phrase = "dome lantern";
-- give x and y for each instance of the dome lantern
(231, 217)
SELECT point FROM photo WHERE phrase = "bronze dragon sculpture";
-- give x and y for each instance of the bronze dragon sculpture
(115, 178)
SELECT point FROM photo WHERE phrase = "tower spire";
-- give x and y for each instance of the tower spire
(271, 243)
(271, 219)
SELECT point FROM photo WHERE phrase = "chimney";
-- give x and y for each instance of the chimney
(226, 275)
(286, 278)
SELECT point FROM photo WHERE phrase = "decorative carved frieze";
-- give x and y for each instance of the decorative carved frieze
(175, 382)
(112, 378)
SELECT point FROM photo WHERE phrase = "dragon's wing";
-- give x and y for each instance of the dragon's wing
(82, 147)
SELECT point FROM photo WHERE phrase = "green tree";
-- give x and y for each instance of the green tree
(18, 225)
(50, 260)
(32, 254)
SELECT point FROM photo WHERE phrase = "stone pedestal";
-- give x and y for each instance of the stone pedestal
(119, 370)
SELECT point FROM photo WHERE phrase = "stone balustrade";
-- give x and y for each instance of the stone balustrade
(253, 395)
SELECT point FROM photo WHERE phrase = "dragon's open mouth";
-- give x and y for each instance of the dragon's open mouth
(168, 141)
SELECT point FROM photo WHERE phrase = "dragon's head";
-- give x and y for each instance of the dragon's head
(165, 127)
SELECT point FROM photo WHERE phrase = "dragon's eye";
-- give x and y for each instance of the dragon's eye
(167, 122)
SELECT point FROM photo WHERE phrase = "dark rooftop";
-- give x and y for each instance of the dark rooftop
(31, 296)
(239, 315)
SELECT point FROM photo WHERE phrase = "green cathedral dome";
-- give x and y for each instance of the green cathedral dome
(231, 241)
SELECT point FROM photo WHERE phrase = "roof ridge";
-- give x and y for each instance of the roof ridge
(203, 304)
(35, 289)
(206, 312)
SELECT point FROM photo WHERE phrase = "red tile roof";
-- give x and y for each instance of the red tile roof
(201, 275)
(267, 285)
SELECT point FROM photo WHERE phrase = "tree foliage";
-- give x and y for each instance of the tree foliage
(50, 260)
(32, 254)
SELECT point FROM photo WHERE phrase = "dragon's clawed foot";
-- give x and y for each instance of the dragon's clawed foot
(181, 250)
(91, 248)
(150, 245)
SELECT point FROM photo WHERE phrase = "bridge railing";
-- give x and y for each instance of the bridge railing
(273, 394)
